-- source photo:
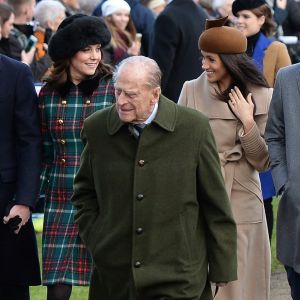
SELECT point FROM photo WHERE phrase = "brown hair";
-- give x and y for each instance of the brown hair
(59, 72)
(116, 34)
(5, 12)
(268, 28)
(243, 72)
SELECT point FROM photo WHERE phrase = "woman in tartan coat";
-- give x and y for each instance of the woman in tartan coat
(79, 84)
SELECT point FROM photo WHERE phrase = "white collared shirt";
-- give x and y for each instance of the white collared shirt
(153, 115)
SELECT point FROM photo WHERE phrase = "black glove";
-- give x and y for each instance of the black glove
(14, 222)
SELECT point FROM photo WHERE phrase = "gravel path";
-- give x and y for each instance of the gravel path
(280, 289)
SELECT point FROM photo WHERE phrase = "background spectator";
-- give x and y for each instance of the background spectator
(174, 46)
(156, 6)
(72, 6)
(221, 9)
(48, 14)
(142, 18)
(20, 37)
(124, 43)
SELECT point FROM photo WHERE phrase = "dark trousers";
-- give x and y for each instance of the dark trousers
(269, 216)
(14, 292)
(294, 282)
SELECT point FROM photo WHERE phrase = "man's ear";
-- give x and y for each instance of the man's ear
(156, 94)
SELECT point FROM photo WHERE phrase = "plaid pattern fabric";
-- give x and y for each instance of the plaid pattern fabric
(65, 259)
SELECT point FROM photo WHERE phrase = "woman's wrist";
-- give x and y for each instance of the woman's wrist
(247, 125)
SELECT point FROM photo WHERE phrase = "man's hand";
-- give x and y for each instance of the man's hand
(22, 211)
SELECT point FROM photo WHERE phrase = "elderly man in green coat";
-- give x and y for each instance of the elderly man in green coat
(151, 202)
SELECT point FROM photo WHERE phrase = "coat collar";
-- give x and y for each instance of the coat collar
(87, 87)
(166, 116)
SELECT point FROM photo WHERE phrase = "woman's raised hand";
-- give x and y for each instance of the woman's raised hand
(242, 108)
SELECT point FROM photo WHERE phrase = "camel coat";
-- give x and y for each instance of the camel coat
(276, 57)
(242, 157)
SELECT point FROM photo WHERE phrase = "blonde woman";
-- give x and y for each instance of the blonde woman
(124, 41)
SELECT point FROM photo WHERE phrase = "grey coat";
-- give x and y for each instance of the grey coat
(283, 138)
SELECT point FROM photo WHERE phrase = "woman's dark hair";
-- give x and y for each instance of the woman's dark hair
(243, 72)
(5, 12)
(269, 27)
(60, 72)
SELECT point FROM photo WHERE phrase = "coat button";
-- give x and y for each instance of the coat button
(60, 121)
(62, 141)
(140, 197)
(64, 102)
(63, 161)
(139, 230)
(88, 102)
(137, 264)
(141, 162)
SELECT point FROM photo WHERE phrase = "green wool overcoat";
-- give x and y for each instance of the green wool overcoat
(154, 213)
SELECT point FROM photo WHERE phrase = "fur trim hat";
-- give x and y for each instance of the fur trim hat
(75, 33)
(239, 5)
(222, 39)
(111, 6)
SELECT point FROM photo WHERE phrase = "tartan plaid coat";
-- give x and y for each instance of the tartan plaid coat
(62, 112)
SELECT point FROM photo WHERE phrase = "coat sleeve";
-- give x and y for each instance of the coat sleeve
(254, 144)
(28, 138)
(84, 197)
(220, 227)
(47, 145)
(275, 137)
(283, 57)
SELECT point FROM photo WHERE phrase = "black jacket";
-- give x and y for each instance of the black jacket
(20, 160)
(175, 44)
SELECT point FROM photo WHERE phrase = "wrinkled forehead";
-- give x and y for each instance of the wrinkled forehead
(131, 73)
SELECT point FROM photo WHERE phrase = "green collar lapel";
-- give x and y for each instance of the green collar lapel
(166, 116)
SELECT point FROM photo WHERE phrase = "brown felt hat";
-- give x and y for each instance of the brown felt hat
(222, 39)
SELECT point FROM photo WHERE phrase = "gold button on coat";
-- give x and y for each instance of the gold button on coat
(141, 162)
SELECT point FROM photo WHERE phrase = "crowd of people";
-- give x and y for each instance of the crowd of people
(162, 132)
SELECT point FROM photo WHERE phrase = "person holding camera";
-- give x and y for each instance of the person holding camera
(20, 42)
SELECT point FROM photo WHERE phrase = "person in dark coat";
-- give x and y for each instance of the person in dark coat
(174, 44)
(150, 198)
(282, 136)
(20, 158)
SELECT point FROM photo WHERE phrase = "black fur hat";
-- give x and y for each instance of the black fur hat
(239, 5)
(75, 33)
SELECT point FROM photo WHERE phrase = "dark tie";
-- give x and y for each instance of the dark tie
(136, 130)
